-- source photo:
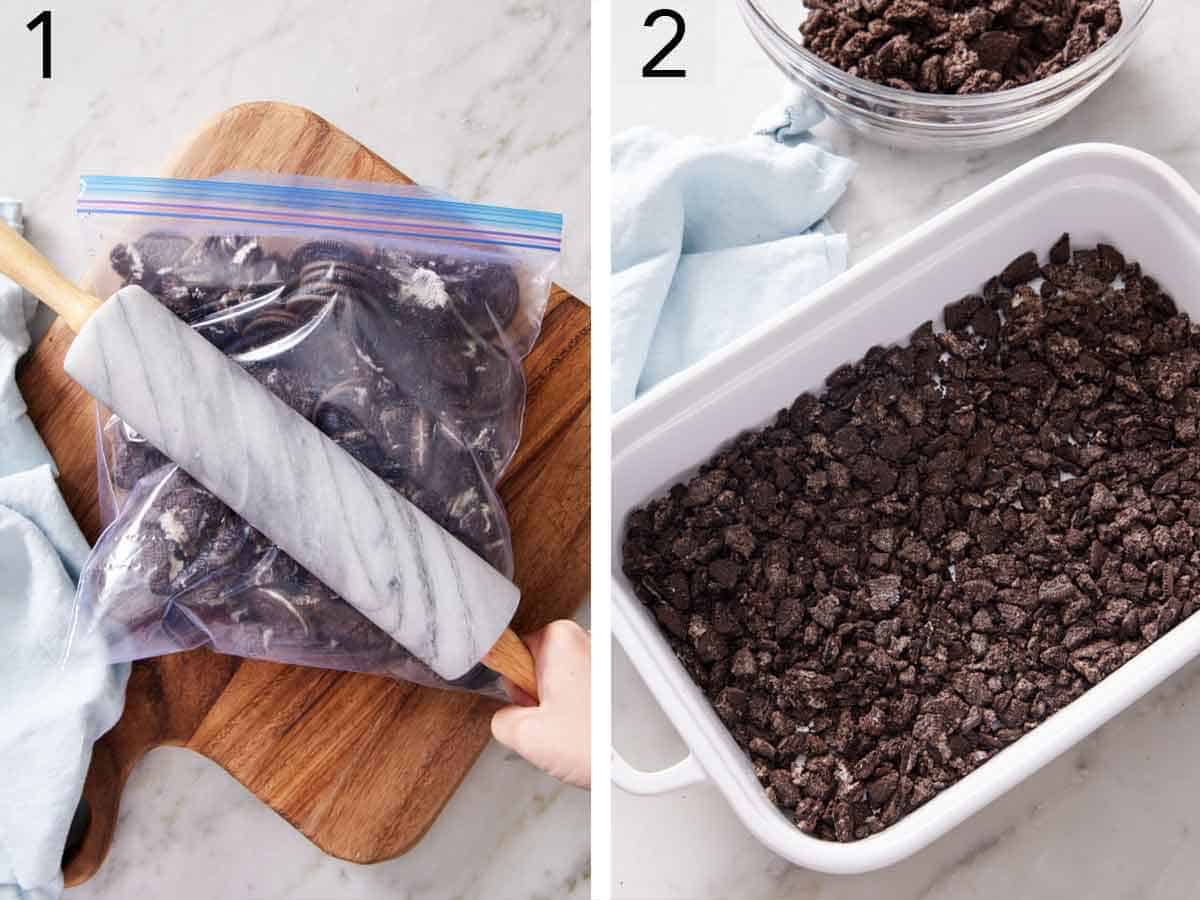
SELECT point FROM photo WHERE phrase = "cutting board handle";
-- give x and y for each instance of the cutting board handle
(92, 832)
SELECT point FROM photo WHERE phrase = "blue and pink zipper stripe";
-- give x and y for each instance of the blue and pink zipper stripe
(388, 215)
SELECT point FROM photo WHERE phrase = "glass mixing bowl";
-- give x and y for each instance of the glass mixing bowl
(928, 121)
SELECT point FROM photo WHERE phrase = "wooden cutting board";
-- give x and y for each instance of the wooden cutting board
(361, 765)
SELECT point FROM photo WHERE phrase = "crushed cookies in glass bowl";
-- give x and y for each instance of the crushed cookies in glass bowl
(912, 73)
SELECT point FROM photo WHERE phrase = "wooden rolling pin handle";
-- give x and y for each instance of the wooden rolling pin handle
(512, 659)
(28, 268)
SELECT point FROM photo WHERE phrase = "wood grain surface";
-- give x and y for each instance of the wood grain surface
(361, 765)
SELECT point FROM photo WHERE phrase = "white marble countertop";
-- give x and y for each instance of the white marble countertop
(489, 102)
(1119, 816)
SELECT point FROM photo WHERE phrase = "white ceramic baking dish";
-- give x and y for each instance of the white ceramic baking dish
(1096, 192)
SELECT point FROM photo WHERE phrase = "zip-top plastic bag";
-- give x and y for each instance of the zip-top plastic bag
(392, 318)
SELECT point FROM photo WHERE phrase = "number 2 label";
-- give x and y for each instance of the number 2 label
(650, 69)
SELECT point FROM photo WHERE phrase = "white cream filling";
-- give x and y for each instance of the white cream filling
(428, 289)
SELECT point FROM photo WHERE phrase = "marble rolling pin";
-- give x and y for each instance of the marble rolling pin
(276, 470)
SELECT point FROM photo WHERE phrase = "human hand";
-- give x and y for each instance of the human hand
(554, 734)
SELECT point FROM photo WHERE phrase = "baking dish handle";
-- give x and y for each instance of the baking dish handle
(634, 781)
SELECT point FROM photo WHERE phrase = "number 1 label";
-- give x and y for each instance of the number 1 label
(42, 21)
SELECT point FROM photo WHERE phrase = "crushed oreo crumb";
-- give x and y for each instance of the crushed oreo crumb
(957, 46)
(904, 574)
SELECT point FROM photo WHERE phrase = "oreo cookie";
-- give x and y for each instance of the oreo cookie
(326, 252)
(407, 437)
(262, 271)
(475, 380)
(287, 384)
(445, 295)
(219, 251)
(161, 250)
(132, 456)
(326, 276)
(265, 327)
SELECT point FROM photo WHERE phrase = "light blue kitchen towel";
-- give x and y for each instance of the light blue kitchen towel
(711, 239)
(50, 713)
